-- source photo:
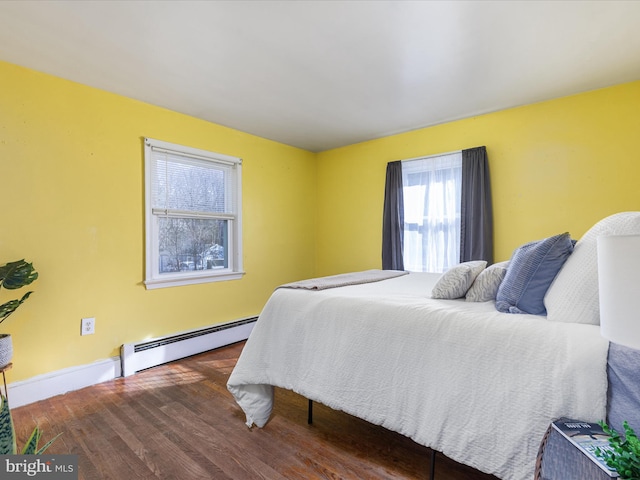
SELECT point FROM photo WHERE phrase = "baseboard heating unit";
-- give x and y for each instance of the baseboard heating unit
(156, 351)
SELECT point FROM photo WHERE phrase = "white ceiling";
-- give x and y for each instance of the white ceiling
(323, 74)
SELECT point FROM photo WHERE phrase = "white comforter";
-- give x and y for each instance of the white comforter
(477, 385)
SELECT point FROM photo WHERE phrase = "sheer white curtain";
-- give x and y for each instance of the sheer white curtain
(432, 196)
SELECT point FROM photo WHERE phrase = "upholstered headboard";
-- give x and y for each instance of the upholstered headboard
(573, 295)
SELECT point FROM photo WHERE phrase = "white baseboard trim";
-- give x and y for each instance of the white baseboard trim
(69, 379)
(55, 383)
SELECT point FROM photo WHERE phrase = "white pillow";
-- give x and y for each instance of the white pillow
(485, 287)
(573, 295)
(455, 282)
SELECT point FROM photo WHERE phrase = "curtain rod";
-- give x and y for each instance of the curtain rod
(431, 156)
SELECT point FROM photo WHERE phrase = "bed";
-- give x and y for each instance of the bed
(479, 385)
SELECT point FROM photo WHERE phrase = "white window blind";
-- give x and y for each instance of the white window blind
(190, 185)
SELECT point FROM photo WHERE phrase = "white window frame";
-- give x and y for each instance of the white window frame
(234, 270)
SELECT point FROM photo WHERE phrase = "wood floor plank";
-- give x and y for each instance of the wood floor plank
(178, 421)
(221, 444)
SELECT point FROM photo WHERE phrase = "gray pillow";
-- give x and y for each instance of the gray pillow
(455, 282)
(485, 287)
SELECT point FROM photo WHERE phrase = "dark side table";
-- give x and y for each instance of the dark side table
(559, 459)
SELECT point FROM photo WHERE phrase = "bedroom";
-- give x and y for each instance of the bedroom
(73, 170)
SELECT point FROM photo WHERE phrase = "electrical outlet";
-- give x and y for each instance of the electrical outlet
(88, 326)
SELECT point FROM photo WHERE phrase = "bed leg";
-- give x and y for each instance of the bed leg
(433, 465)
(310, 413)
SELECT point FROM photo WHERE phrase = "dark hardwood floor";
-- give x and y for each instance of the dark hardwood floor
(178, 421)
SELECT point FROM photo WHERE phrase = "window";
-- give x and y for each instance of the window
(432, 189)
(193, 222)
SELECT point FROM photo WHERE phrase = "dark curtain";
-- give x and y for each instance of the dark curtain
(393, 219)
(476, 213)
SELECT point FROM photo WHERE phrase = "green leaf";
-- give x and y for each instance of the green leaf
(17, 274)
(31, 446)
(8, 308)
(47, 445)
(7, 432)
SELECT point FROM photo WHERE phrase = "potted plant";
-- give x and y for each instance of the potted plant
(624, 454)
(13, 275)
(8, 445)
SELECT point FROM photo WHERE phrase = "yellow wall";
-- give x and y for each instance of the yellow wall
(73, 189)
(556, 166)
(72, 202)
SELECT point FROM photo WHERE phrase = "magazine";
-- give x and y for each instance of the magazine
(587, 437)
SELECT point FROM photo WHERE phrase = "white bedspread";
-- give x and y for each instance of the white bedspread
(478, 385)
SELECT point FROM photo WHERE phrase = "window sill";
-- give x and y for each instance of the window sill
(181, 280)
